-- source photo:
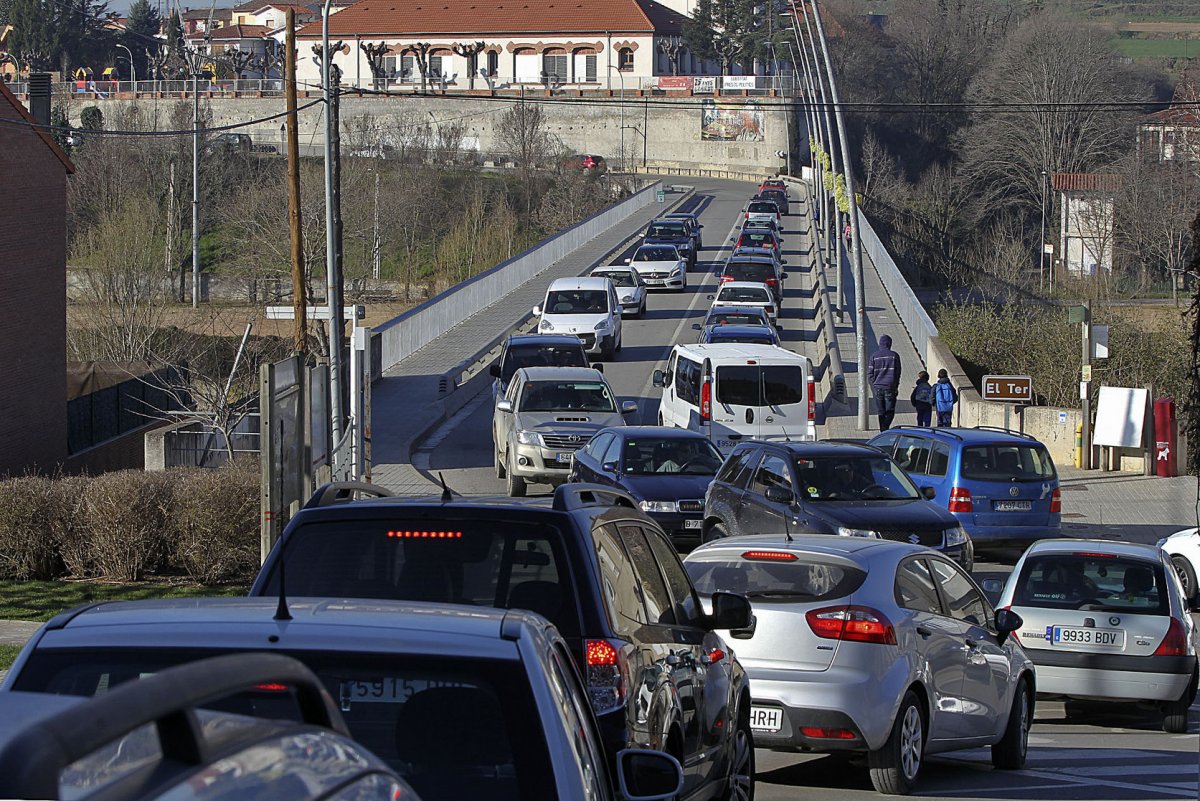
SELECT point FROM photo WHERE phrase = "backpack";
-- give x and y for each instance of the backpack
(923, 393)
(945, 396)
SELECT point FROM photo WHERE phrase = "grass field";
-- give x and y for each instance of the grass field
(1158, 48)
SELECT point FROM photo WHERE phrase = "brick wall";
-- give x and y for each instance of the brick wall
(33, 386)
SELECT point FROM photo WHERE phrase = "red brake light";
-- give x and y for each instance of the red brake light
(1056, 501)
(606, 674)
(770, 556)
(426, 535)
(716, 655)
(600, 652)
(960, 500)
(770, 309)
(726, 277)
(854, 623)
(271, 688)
(706, 400)
(817, 732)
(772, 282)
(1095, 555)
(1174, 643)
(812, 400)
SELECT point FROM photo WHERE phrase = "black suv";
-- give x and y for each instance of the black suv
(658, 676)
(839, 488)
(536, 350)
(665, 231)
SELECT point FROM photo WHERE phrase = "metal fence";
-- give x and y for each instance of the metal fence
(198, 444)
(110, 412)
(916, 320)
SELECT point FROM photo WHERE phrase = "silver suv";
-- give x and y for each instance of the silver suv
(546, 415)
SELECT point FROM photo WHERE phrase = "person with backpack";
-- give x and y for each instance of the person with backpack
(922, 399)
(944, 398)
(883, 371)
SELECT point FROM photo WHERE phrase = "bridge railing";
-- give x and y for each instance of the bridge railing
(916, 320)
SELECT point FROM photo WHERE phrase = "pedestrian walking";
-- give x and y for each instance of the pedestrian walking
(922, 399)
(883, 371)
(944, 398)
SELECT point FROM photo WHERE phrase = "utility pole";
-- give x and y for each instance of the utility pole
(169, 247)
(333, 286)
(196, 184)
(376, 249)
(1085, 457)
(299, 293)
(1042, 240)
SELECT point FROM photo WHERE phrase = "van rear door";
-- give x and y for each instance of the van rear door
(785, 402)
(736, 404)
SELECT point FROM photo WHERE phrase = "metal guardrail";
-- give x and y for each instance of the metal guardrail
(916, 320)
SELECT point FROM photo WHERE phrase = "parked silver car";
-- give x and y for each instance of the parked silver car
(1106, 620)
(546, 415)
(872, 646)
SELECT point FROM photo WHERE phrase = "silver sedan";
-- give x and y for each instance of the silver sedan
(872, 646)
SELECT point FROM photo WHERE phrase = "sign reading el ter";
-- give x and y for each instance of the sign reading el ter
(1013, 388)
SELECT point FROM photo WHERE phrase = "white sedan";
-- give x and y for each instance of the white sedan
(747, 293)
(1184, 549)
(660, 266)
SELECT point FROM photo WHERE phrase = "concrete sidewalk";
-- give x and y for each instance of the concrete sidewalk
(413, 384)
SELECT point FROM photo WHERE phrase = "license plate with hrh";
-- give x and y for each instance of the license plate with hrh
(766, 718)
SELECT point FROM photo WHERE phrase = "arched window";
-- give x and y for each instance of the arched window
(625, 59)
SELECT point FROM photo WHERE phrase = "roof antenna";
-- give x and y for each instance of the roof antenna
(447, 495)
(281, 611)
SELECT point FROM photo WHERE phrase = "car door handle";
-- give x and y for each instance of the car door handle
(924, 631)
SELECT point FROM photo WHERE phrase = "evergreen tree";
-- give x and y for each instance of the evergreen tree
(60, 33)
(141, 32)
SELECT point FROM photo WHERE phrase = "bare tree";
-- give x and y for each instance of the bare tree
(1156, 204)
(522, 134)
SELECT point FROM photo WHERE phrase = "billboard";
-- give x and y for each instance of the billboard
(674, 82)
(728, 122)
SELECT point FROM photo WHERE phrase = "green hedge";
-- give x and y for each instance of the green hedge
(126, 525)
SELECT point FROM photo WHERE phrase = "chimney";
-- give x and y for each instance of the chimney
(39, 97)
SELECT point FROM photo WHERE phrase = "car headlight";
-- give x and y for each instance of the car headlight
(603, 324)
(529, 438)
(627, 299)
(546, 325)
(955, 536)
(676, 271)
(660, 506)
(842, 531)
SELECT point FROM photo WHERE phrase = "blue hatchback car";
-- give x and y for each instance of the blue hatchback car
(1001, 485)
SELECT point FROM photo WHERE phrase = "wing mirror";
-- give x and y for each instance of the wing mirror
(660, 378)
(928, 493)
(494, 370)
(537, 311)
(645, 775)
(609, 467)
(1007, 621)
(784, 276)
(629, 407)
(746, 633)
(777, 494)
(504, 405)
(730, 611)
(711, 297)
(696, 326)
(598, 367)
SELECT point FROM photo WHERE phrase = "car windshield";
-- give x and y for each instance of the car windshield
(577, 301)
(744, 294)
(762, 336)
(656, 254)
(562, 396)
(408, 710)
(657, 455)
(807, 578)
(618, 277)
(760, 385)
(1092, 581)
(519, 356)
(736, 318)
(667, 229)
(853, 478)
(1008, 462)
(497, 563)
(749, 271)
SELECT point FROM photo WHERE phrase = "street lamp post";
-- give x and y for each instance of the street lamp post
(1042, 239)
(333, 295)
(132, 69)
(16, 64)
(621, 76)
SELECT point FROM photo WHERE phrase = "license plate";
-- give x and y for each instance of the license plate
(692, 523)
(386, 691)
(766, 718)
(1079, 635)
(1013, 506)
(563, 458)
(726, 445)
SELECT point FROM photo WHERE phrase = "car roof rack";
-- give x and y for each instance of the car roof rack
(343, 492)
(1004, 430)
(849, 441)
(569, 497)
(939, 430)
(33, 763)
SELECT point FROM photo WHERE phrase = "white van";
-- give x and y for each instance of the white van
(737, 391)
(586, 307)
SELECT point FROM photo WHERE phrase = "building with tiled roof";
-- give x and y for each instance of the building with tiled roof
(273, 15)
(252, 40)
(1086, 203)
(610, 43)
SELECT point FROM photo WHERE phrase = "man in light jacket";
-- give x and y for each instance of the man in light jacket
(883, 371)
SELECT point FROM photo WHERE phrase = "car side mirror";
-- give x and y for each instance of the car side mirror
(783, 261)
(660, 378)
(598, 367)
(609, 467)
(712, 297)
(629, 407)
(784, 276)
(699, 226)
(504, 405)
(777, 494)
(1007, 621)
(537, 311)
(494, 370)
(929, 493)
(645, 775)
(696, 326)
(730, 611)
(746, 633)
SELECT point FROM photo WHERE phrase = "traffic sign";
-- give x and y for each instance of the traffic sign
(1010, 388)
(660, 196)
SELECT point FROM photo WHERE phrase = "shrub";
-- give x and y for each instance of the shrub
(38, 514)
(125, 526)
(214, 523)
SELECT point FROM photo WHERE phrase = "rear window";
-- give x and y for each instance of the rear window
(746, 336)
(667, 229)
(519, 356)
(1016, 461)
(771, 385)
(783, 385)
(410, 711)
(1092, 582)
(805, 579)
(760, 238)
(739, 385)
(764, 206)
(503, 564)
(744, 294)
(619, 278)
(736, 318)
(750, 271)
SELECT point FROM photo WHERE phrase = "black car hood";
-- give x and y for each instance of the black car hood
(917, 513)
(666, 487)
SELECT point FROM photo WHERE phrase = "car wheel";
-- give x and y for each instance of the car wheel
(607, 352)
(516, 484)
(620, 342)
(501, 472)
(1175, 713)
(741, 769)
(1009, 753)
(715, 532)
(1187, 576)
(895, 766)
